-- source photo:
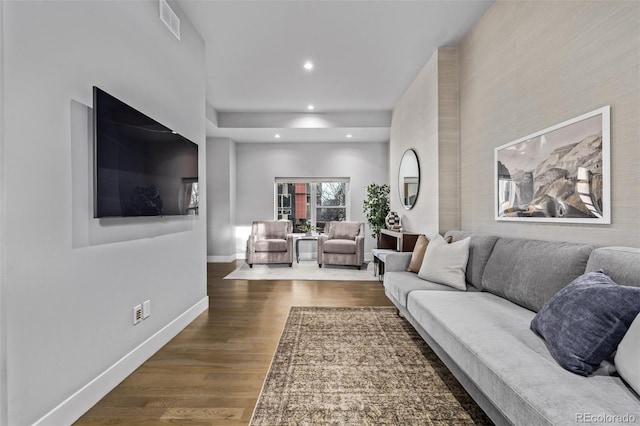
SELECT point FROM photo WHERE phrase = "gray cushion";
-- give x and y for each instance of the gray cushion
(271, 245)
(622, 264)
(489, 338)
(344, 230)
(530, 272)
(480, 249)
(628, 356)
(339, 246)
(398, 285)
(584, 323)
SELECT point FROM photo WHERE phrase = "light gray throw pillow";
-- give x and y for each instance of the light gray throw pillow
(446, 263)
(627, 358)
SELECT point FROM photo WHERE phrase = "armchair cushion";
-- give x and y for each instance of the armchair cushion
(271, 230)
(344, 230)
(340, 246)
(271, 245)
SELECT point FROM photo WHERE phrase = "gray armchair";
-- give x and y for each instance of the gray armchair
(341, 244)
(271, 241)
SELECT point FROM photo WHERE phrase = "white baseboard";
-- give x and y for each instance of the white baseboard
(221, 259)
(77, 404)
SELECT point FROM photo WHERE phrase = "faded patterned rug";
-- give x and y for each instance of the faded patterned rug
(359, 366)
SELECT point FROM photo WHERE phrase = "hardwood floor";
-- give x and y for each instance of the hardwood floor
(212, 372)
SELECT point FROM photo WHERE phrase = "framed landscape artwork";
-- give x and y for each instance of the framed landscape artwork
(559, 174)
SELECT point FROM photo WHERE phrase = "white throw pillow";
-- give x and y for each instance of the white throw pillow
(446, 263)
(627, 358)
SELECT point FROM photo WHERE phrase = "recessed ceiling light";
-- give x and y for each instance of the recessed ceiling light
(349, 136)
(277, 136)
(310, 107)
(308, 65)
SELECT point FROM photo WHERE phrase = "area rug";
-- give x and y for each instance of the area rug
(359, 366)
(305, 270)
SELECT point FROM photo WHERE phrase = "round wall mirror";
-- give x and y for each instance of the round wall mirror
(409, 179)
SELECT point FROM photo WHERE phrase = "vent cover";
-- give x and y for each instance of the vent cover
(170, 19)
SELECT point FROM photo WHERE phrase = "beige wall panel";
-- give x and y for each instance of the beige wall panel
(490, 55)
(448, 140)
(529, 65)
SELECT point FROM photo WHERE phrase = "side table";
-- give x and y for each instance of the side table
(397, 240)
(303, 238)
(392, 242)
(379, 256)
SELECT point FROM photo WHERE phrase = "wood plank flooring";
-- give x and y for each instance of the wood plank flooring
(212, 372)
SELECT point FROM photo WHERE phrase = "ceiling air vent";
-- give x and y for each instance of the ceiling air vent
(170, 19)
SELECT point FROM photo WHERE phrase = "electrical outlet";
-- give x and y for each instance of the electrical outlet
(137, 314)
(146, 309)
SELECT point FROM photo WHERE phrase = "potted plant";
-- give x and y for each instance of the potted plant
(307, 229)
(376, 207)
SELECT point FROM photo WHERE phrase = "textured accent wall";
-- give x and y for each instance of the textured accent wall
(426, 119)
(448, 141)
(528, 65)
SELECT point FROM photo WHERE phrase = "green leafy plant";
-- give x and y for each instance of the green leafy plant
(376, 207)
(306, 228)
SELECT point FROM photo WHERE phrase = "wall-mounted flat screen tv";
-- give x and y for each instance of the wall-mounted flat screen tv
(142, 168)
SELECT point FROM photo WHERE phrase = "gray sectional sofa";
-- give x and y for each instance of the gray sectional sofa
(483, 334)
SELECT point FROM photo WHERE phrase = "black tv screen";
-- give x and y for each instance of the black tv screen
(142, 168)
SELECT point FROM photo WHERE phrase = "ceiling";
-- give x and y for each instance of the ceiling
(365, 55)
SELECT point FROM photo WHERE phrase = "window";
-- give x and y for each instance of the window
(312, 202)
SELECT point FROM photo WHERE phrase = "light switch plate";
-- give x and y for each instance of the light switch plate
(146, 309)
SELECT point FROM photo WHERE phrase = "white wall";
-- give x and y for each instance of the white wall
(414, 125)
(528, 65)
(3, 265)
(221, 198)
(425, 119)
(258, 164)
(71, 281)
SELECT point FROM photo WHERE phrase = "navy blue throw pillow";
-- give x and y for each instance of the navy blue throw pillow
(585, 321)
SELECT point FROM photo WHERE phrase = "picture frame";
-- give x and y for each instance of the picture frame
(559, 174)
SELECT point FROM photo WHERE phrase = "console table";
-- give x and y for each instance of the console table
(392, 241)
(397, 240)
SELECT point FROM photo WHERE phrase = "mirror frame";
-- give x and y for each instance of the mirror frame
(401, 182)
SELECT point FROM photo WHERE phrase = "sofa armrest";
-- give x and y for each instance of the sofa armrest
(396, 262)
(321, 239)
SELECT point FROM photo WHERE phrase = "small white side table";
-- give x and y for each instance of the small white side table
(303, 237)
(379, 256)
